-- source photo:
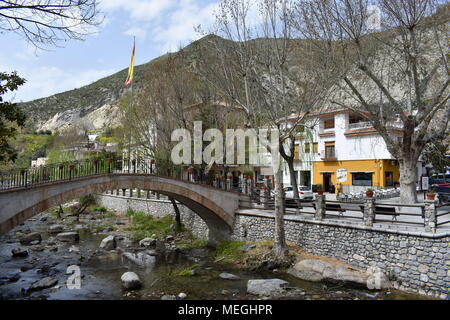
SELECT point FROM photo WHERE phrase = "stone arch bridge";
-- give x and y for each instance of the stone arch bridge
(215, 206)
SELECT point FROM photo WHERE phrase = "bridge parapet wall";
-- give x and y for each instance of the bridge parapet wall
(216, 207)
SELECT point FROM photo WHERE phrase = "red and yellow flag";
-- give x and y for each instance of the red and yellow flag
(131, 67)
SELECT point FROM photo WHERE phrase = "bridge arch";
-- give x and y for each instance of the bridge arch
(216, 207)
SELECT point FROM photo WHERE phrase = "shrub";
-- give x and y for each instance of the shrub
(186, 272)
(101, 209)
(228, 251)
(144, 225)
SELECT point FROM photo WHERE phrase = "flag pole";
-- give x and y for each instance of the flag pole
(130, 81)
(129, 130)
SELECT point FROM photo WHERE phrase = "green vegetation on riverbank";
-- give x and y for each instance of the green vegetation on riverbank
(144, 225)
(252, 255)
(192, 244)
(228, 251)
(187, 271)
(103, 227)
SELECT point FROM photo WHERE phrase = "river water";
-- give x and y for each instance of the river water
(101, 272)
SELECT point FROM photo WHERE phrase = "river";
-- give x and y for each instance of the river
(101, 270)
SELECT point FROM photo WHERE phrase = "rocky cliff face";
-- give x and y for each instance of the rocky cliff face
(95, 105)
(100, 118)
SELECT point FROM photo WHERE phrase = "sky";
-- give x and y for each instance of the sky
(159, 26)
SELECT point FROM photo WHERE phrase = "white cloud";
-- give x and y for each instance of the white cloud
(141, 10)
(44, 81)
(166, 24)
(180, 26)
(170, 23)
(139, 32)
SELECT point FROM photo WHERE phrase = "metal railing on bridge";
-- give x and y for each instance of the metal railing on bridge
(26, 177)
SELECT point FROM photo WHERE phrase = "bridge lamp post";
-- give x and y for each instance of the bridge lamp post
(151, 165)
(190, 174)
(110, 160)
(61, 167)
(24, 178)
(96, 166)
(133, 162)
(71, 168)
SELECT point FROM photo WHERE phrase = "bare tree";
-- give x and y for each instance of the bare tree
(170, 88)
(67, 143)
(49, 22)
(42, 23)
(262, 69)
(395, 75)
(161, 107)
(83, 203)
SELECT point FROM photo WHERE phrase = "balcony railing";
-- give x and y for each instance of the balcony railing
(360, 125)
(328, 155)
(367, 125)
(394, 124)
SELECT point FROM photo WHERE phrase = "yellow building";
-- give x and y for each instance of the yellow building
(356, 173)
(345, 150)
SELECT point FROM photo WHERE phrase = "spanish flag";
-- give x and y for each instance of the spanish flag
(131, 67)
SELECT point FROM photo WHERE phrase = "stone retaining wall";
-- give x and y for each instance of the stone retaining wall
(157, 208)
(416, 263)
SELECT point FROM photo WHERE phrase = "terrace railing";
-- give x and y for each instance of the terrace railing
(356, 211)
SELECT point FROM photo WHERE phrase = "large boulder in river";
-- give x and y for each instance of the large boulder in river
(142, 259)
(228, 276)
(108, 243)
(321, 270)
(377, 279)
(266, 287)
(27, 239)
(147, 242)
(68, 236)
(57, 228)
(131, 281)
(44, 283)
(19, 253)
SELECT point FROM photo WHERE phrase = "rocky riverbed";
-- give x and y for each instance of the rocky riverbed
(40, 259)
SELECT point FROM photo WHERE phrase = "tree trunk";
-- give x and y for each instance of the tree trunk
(59, 212)
(290, 162)
(177, 215)
(408, 173)
(294, 183)
(280, 247)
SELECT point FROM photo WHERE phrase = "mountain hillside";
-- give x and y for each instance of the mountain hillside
(74, 104)
(57, 111)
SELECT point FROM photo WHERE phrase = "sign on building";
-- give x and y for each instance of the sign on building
(425, 183)
(266, 171)
(341, 175)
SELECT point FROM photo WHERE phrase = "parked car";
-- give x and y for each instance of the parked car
(440, 178)
(443, 192)
(304, 193)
